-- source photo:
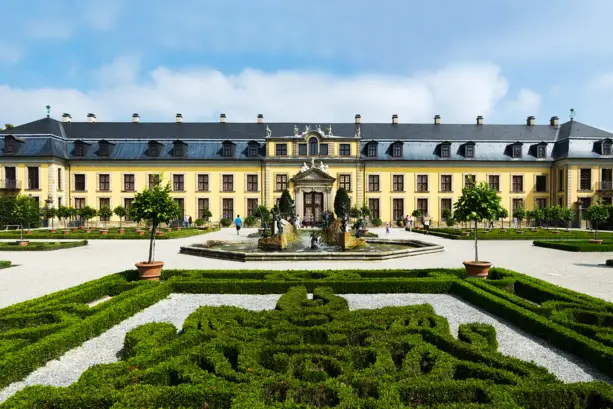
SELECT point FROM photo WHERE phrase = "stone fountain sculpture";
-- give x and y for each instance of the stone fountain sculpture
(314, 241)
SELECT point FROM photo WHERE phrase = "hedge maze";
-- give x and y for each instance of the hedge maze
(310, 353)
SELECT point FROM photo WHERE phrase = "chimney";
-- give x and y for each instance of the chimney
(553, 121)
(91, 118)
(222, 118)
(358, 118)
(395, 119)
(179, 118)
(479, 120)
(135, 118)
(260, 118)
(530, 121)
(66, 118)
(437, 119)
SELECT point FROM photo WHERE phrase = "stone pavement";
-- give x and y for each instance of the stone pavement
(40, 273)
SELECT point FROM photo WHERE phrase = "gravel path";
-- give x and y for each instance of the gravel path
(176, 308)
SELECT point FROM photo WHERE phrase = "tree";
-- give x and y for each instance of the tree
(566, 214)
(552, 213)
(342, 203)
(478, 202)
(285, 203)
(502, 214)
(154, 205)
(105, 213)
(596, 214)
(49, 213)
(63, 213)
(519, 214)
(539, 215)
(262, 213)
(120, 212)
(26, 211)
(9, 126)
(87, 213)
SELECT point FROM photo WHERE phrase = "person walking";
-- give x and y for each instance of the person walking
(238, 221)
(426, 224)
(387, 228)
(410, 223)
(190, 221)
(185, 221)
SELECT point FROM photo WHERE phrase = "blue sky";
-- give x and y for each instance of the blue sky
(308, 61)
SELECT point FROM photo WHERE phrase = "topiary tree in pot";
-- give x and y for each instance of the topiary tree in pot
(596, 214)
(63, 213)
(87, 213)
(105, 213)
(27, 212)
(154, 206)
(49, 214)
(502, 214)
(477, 202)
(566, 214)
(519, 214)
(342, 203)
(120, 212)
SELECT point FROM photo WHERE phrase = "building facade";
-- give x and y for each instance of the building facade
(231, 168)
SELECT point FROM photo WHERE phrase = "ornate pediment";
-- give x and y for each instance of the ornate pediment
(313, 174)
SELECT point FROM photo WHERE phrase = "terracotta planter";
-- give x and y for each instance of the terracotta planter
(74, 230)
(22, 243)
(477, 269)
(503, 230)
(176, 228)
(595, 241)
(555, 232)
(29, 232)
(364, 232)
(82, 227)
(170, 230)
(65, 232)
(121, 231)
(465, 233)
(150, 271)
(140, 232)
(52, 231)
(104, 232)
(159, 233)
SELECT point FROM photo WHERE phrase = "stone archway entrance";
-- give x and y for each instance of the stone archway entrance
(313, 192)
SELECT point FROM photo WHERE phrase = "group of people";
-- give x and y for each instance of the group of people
(410, 222)
(187, 222)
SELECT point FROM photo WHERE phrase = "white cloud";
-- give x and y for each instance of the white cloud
(526, 103)
(10, 53)
(459, 93)
(122, 70)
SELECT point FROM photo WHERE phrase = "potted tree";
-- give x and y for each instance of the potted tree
(199, 222)
(596, 214)
(104, 213)
(73, 215)
(120, 212)
(477, 202)
(50, 214)
(153, 205)
(63, 213)
(87, 213)
(554, 214)
(519, 214)
(26, 211)
(566, 214)
(502, 214)
(416, 216)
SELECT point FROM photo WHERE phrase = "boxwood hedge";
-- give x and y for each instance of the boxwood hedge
(576, 245)
(309, 353)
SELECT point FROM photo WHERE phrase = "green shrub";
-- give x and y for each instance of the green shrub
(250, 221)
(225, 222)
(5, 263)
(576, 246)
(376, 221)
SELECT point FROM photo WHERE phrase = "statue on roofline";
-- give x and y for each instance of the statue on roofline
(268, 131)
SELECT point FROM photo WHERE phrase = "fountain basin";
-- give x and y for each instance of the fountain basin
(377, 249)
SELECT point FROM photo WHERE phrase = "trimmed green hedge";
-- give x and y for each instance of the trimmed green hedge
(5, 264)
(511, 234)
(378, 356)
(42, 245)
(581, 246)
(312, 354)
(113, 234)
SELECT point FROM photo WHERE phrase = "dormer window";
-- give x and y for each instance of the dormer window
(541, 151)
(79, 149)
(606, 147)
(517, 152)
(9, 145)
(372, 150)
(397, 150)
(104, 149)
(178, 149)
(227, 150)
(313, 146)
(252, 149)
(469, 150)
(154, 149)
(445, 150)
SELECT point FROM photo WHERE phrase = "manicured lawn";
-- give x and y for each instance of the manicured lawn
(512, 234)
(113, 234)
(5, 264)
(576, 245)
(312, 352)
(42, 245)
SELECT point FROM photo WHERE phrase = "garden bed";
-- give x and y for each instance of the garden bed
(42, 245)
(519, 234)
(314, 352)
(112, 234)
(578, 246)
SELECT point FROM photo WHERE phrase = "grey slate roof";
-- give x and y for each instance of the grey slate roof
(48, 137)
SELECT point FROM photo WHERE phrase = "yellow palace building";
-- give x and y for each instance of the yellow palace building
(231, 168)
